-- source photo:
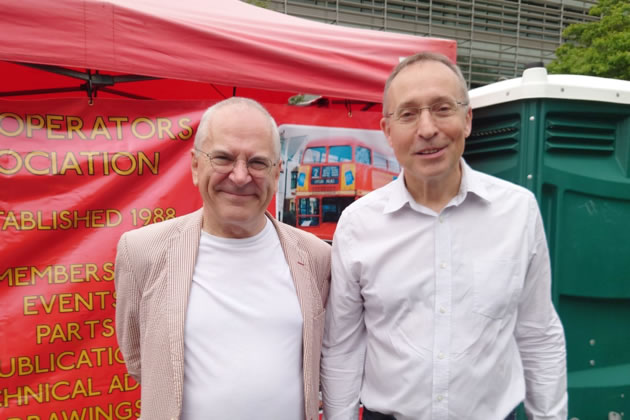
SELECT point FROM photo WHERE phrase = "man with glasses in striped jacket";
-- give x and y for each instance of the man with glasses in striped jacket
(220, 312)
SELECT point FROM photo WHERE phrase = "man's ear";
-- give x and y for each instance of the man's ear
(386, 127)
(278, 170)
(468, 121)
(280, 165)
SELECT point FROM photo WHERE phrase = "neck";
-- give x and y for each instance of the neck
(434, 193)
(233, 230)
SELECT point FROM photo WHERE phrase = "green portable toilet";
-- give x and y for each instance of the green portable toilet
(567, 139)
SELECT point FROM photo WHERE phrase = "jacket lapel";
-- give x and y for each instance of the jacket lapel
(298, 262)
(182, 254)
(298, 266)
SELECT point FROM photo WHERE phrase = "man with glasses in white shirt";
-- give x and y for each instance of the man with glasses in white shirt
(220, 313)
(440, 304)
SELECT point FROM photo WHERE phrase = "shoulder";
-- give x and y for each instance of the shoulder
(518, 204)
(369, 210)
(307, 249)
(311, 243)
(374, 201)
(498, 188)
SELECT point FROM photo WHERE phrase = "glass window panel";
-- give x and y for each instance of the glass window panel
(380, 161)
(364, 155)
(333, 206)
(393, 165)
(314, 155)
(340, 154)
(309, 206)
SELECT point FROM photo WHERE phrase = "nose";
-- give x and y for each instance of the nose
(240, 174)
(426, 126)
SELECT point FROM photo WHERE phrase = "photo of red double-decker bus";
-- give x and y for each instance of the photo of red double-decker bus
(333, 172)
(327, 168)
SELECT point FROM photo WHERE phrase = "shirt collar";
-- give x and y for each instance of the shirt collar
(470, 182)
(399, 195)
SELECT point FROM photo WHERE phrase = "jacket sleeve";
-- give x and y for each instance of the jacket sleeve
(128, 298)
(323, 274)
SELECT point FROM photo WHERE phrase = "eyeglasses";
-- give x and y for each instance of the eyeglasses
(257, 167)
(439, 110)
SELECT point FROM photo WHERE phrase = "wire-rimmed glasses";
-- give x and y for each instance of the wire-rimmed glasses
(257, 167)
(439, 110)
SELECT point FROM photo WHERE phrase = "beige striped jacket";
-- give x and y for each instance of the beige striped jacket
(154, 268)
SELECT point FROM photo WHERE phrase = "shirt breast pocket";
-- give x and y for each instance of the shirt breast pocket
(495, 287)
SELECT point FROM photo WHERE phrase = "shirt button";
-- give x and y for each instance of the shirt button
(440, 398)
(443, 265)
(442, 310)
(441, 219)
(441, 355)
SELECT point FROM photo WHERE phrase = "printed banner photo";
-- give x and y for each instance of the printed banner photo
(73, 178)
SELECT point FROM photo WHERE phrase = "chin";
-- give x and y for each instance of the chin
(237, 213)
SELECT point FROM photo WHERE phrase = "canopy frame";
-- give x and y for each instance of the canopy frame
(94, 82)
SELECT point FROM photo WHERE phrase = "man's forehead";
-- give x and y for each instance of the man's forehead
(231, 131)
(236, 108)
(441, 83)
(238, 115)
(425, 69)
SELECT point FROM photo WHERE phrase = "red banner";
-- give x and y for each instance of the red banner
(73, 178)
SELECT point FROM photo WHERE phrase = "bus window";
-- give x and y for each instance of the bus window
(333, 206)
(315, 155)
(294, 176)
(340, 154)
(364, 155)
(380, 161)
(393, 165)
(309, 212)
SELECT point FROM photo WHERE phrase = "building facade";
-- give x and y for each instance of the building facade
(496, 39)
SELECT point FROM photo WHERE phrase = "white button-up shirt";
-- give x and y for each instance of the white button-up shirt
(443, 315)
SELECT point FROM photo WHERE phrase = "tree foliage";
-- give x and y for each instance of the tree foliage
(260, 3)
(600, 48)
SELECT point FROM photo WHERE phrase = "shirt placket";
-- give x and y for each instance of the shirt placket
(442, 318)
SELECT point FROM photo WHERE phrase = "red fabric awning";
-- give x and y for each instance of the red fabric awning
(226, 43)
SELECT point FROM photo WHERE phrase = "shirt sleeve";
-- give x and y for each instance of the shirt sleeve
(539, 333)
(127, 311)
(343, 351)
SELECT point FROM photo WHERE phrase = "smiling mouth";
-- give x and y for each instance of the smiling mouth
(429, 151)
(238, 193)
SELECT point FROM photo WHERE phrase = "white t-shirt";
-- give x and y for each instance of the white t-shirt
(243, 332)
